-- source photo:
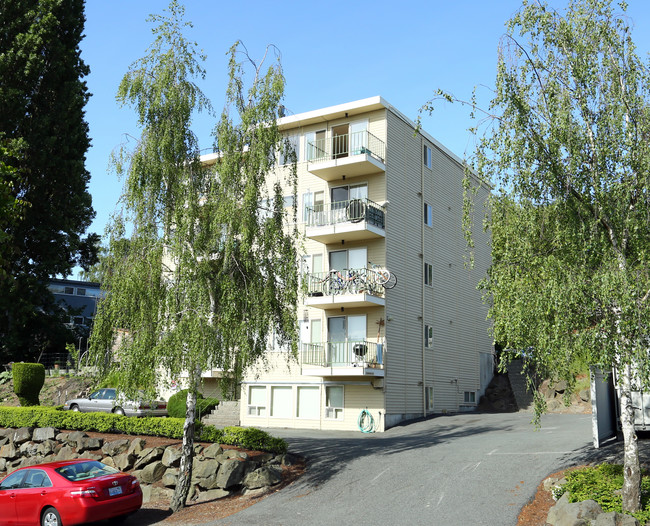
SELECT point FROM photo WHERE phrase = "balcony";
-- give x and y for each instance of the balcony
(354, 219)
(350, 154)
(349, 358)
(359, 287)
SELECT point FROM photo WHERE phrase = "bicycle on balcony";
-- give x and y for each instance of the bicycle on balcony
(383, 276)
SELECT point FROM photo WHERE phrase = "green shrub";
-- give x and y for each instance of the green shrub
(28, 382)
(244, 437)
(36, 416)
(603, 484)
(177, 404)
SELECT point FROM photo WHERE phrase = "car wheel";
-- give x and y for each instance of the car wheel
(118, 411)
(50, 517)
(74, 407)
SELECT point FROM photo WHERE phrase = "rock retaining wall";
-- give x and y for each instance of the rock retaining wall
(216, 472)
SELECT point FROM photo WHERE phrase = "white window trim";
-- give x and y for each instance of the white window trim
(428, 274)
(428, 340)
(428, 218)
(257, 408)
(426, 156)
(339, 413)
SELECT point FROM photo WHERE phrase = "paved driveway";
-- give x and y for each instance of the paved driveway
(460, 470)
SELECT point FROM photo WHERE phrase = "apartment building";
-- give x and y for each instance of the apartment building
(391, 321)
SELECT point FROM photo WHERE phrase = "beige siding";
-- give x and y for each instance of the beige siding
(357, 395)
(452, 305)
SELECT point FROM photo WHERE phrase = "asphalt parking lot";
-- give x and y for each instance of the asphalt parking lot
(466, 469)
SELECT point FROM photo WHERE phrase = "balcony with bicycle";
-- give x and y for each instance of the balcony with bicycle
(355, 219)
(360, 287)
(348, 358)
(349, 154)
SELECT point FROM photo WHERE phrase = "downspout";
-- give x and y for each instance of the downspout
(424, 376)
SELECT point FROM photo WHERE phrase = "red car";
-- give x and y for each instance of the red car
(66, 493)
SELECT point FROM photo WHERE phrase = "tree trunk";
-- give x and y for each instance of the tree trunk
(631, 468)
(185, 471)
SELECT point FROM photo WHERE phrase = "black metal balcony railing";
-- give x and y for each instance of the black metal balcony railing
(340, 146)
(351, 353)
(345, 281)
(352, 211)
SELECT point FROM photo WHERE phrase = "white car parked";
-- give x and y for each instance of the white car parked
(105, 400)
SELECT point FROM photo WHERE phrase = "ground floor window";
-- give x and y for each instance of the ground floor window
(334, 402)
(470, 397)
(308, 405)
(257, 400)
(281, 401)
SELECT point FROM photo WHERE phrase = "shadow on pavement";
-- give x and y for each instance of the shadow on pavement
(326, 456)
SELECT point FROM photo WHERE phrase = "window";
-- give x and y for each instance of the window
(308, 402)
(307, 206)
(470, 397)
(13, 481)
(81, 292)
(281, 401)
(428, 274)
(429, 393)
(289, 201)
(69, 290)
(257, 400)
(293, 142)
(426, 157)
(334, 402)
(428, 215)
(428, 336)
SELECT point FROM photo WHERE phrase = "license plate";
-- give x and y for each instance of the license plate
(115, 491)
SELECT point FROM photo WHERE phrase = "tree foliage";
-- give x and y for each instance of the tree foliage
(207, 277)
(43, 181)
(567, 150)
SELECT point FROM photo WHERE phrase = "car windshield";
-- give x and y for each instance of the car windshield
(85, 470)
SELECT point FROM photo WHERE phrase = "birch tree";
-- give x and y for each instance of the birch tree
(567, 150)
(207, 276)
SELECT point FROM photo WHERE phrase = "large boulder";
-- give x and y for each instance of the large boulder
(212, 451)
(172, 457)
(9, 451)
(565, 513)
(149, 455)
(262, 477)
(66, 453)
(89, 444)
(22, 435)
(116, 447)
(137, 446)
(41, 434)
(212, 494)
(125, 461)
(613, 518)
(231, 473)
(170, 478)
(152, 472)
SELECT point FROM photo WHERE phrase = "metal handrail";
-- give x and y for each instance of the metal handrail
(338, 146)
(344, 281)
(355, 353)
(352, 211)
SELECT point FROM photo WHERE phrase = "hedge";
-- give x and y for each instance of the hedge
(37, 416)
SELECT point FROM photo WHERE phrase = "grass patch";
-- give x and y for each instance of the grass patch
(603, 484)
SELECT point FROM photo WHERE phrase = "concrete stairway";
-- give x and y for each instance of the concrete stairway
(517, 379)
(225, 414)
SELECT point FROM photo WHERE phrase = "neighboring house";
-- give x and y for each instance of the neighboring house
(79, 298)
(372, 189)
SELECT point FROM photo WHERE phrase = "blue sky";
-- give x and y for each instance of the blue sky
(332, 52)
